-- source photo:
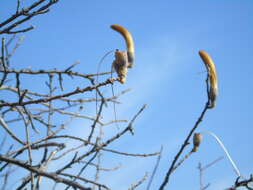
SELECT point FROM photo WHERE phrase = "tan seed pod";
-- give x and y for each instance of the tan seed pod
(197, 138)
(120, 65)
(213, 91)
(129, 42)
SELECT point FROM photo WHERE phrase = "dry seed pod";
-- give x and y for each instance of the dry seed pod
(120, 65)
(213, 91)
(129, 42)
(197, 138)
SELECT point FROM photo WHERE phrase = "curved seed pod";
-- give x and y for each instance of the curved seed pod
(129, 42)
(197, 138)
(120, 65)
(213, 91)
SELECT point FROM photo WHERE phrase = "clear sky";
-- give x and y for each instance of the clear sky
(168, 75)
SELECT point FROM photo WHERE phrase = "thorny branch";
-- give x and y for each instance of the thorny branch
(247, 183)
(45, 117)
(42, 173)
(28, 115)
(35, 110)
(44, 100)
(23, 15)
(186, 141)
(138, 183)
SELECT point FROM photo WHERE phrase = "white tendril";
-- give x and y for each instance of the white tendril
(225, 150)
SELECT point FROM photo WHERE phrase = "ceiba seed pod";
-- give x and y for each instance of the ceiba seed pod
(197, 138)
(213, 92)
(120, 65)
(129, 42)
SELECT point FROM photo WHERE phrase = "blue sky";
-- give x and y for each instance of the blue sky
(168, 76)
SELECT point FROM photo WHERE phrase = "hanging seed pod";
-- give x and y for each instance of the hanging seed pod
(129, 42)
(197, 138)
(120, 65)
(213, 90)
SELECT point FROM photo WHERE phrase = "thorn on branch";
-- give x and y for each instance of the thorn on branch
(60, 81)
(72, 66)
(18, 6)
(21, 31)
(22, 96)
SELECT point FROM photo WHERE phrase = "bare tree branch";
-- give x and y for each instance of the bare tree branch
(42, 173)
